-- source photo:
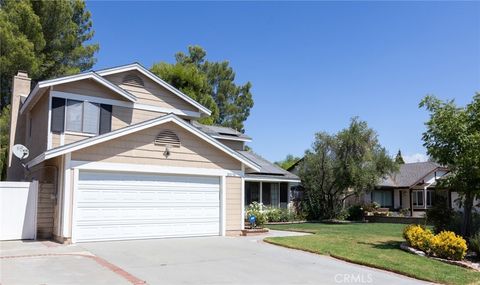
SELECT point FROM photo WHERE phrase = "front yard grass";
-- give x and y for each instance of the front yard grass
(373, 244)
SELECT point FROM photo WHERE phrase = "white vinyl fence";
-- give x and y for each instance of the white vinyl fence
(18, 210)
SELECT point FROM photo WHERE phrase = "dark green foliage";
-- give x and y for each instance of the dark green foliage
(232, 102)
(399, 158)
(474, 244)
(452, 139)
(287, 162)
(45, 38)
(4, 142)
(440, 215)
(341, 165)
(355, 213)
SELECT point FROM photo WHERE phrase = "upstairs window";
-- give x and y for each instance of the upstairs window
(80, 116)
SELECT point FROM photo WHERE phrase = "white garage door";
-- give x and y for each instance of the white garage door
(118, 205)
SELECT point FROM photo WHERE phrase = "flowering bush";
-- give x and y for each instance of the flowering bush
(448, 245)
(418, 237)
(444, 245)
(256, 209)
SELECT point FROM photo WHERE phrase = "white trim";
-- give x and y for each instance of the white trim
(88, 135)
(66, 201)
(223, 204)
(62, 139)
(72, 78)
(126, 167)
(74, 204)
(59, 196)
(147, 73)
(242, 221)
(49, 122)
(253, 179)
(166, 110)
(36, 195)
(113, 102)
(227, 138)
(138, 127)
(260, 192)
(94, 99)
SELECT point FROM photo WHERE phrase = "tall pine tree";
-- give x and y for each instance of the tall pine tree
(233, 102)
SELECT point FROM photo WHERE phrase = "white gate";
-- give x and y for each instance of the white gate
(18, 210)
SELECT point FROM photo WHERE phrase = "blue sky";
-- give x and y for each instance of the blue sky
(313, 65)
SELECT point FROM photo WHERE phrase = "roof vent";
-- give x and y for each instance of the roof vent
(132, 79)
(167, 138)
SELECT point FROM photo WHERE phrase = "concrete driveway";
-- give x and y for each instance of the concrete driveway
(212, 260)
(233, 260)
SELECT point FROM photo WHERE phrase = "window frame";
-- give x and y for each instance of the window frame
(100, 113)
(415, 201)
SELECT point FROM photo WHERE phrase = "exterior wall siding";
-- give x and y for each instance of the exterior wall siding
(139, 148)
(234, 204)
(236, 145)
(37, 139)
(123, 116)
(89, 87)
(151, 93)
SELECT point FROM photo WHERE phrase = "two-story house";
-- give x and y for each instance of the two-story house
(128, 160)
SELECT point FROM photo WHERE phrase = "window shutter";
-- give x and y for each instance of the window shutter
(105, 118)
(58, 115)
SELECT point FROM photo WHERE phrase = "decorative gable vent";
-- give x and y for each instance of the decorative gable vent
(167, 138)
(133, 79)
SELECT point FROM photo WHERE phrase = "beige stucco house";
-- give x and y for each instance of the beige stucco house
(126, 159)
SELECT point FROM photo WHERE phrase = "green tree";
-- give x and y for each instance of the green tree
(190, 80)
(4, 142)
(342, 165)
(287, 162)
(44, 38)
(233, 101)
(399, 158)
(452, 138)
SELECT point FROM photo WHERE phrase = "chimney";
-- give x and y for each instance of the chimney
(20, 88)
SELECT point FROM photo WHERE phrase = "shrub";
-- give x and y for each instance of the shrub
(273, 215)
(475, 244)
(418, 237)
(448, 245)
(440, 215)
(256, 210)
(355, 213)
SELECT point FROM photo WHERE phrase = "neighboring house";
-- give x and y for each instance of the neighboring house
(413, 188)
(128, 159)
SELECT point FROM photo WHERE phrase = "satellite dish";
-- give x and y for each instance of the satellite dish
(20, 151)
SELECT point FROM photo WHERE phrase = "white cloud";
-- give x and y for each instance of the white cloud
(416, 157)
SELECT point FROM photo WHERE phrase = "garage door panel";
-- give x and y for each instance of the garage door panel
(121, 232)
(101, 214)
(114, 206)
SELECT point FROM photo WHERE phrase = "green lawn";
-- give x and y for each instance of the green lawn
(375, 245)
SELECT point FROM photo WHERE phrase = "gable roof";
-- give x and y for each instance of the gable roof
(410, 174)
(138, 67)
(220, 132)
(135, 128)
(34, 94)
(267, 169)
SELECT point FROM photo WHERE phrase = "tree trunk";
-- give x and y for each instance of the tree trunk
(467, 214)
